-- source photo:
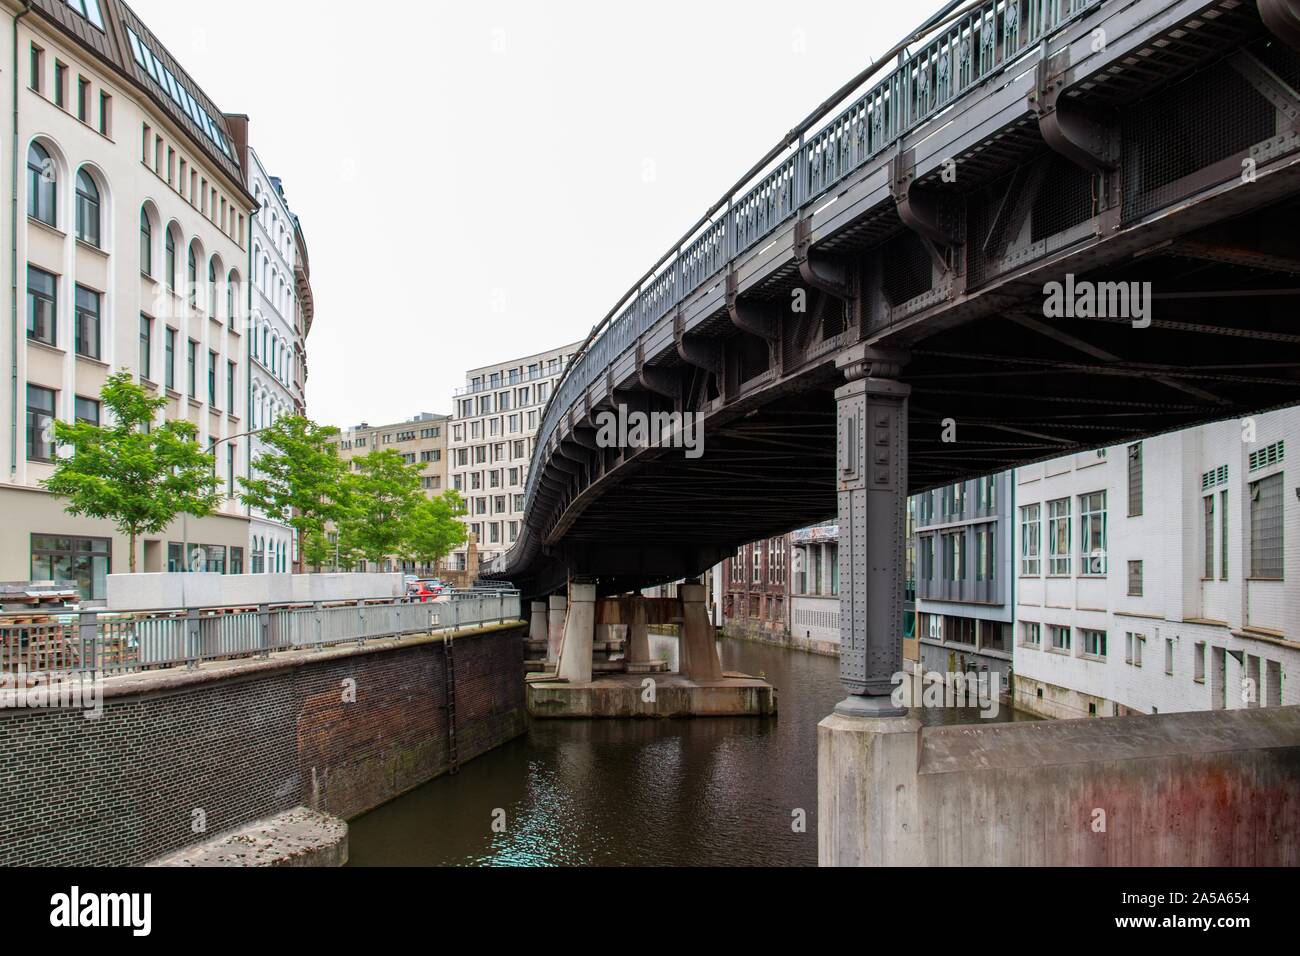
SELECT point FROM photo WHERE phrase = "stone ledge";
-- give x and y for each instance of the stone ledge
(297, 837)
(173, 678)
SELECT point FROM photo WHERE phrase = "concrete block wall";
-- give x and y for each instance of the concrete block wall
(241, 743)
(1217, 788)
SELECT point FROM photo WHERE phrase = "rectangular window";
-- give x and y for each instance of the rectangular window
(87, 323)
(40, 424)
(1094, 642)
(1092, 533)
(85, 561)
(1031, 562)
(1223, 536)
(169, 360)
(230, 387)
(83, 99)
(1031, 634)
(87, 410)
(1169, 655)
(60, 84)
(192, 362)
(212, 378)
(1207, 536)
(36, 78)
(1135, 579)
(1135, 480)
(1058, 537)
(146, 134)
(42, 306)
(105, 113)
(1060, 637)
(230, 471)
(146, 346)
(1198, 662)
(1266, 528)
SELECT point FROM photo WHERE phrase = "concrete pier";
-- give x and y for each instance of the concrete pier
(652, 696)
(558, 607)
(699, 638)
(579, 631)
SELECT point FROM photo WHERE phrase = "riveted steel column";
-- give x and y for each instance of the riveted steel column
(871, 470)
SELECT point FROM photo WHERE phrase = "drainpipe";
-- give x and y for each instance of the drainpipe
(13, 264)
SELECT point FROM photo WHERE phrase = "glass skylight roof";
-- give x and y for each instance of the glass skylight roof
(88, 9)
(173, 88)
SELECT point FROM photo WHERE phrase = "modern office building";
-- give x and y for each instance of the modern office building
(1161, 576)
(495, 418)
(421, 440)
(964, 585)
(131, 242)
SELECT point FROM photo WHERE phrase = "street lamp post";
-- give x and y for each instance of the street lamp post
(185, 518)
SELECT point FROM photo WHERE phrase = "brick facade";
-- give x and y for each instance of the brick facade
(247, 744)
(755, 599)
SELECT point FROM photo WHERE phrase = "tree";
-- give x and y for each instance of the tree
(136, 474)
(382, 494)
(302, 482)
(432, 530)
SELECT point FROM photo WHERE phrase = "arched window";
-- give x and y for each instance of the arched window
(171, 260)
(275, 348)
(87, 209)
(212, 287)
(42, 186)
(232, 294)
(193, 274)
(146, 243)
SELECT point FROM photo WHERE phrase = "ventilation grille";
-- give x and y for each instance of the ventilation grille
(1265, 457)
(1214, 477)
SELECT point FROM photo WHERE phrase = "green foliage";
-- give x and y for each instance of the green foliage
(302, 482)
(432, 530)
(136, 474)
(382, 494)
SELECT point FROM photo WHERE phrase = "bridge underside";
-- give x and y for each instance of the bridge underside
(1163, 176)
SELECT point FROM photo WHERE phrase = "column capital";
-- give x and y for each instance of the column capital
(864, 361)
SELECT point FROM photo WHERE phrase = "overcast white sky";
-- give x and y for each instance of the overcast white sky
(482, 180)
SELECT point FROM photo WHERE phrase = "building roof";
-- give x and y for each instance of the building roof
(130, 48)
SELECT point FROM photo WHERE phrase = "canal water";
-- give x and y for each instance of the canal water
(711, 792)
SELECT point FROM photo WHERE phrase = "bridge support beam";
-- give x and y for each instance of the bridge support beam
(537, 630)
(699, 648)
(559, 604)
(871, 472)
(579, 630)
(638, 633)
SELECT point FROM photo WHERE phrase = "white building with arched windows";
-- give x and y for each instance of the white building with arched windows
(130, 250)
(275, 348)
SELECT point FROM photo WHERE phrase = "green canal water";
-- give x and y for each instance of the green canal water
(676, 792)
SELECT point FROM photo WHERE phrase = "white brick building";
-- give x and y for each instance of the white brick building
(1162, 576)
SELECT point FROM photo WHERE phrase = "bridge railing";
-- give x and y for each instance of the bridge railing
(963, 50)
(89, 641)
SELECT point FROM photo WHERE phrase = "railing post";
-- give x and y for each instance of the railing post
(320, 626)
(192, 648)
(361, 624)
(88, 626)
(264, 627)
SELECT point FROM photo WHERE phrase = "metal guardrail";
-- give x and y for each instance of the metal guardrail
(89, 642)
(963, 51)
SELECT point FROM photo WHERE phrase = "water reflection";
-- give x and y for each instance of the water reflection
(673, 792)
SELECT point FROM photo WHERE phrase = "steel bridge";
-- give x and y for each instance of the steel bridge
(868, 314)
